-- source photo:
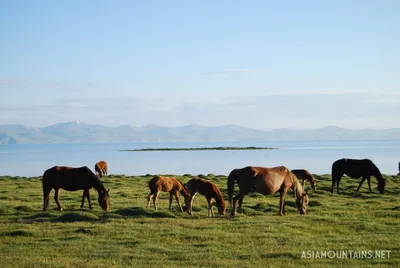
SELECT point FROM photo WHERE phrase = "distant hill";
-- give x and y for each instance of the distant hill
(75, 132)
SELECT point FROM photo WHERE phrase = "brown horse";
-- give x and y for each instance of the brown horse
(73, 179)
(171, 185)
(101, 168)
(266, 181)
(210, 191)
(304, 175)
(355, 168)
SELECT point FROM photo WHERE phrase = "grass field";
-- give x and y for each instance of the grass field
(133, 236)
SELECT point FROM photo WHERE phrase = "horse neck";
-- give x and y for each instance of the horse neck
(377, 174)
(183, 190)
(98, 185)
(297, 187)
(218, 197)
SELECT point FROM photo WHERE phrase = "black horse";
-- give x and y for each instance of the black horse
(356, 168)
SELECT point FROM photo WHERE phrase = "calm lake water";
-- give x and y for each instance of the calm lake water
(315, 156)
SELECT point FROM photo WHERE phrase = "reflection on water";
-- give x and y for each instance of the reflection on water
(316, 156)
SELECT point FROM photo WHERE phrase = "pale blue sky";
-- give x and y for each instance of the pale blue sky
(260, 64)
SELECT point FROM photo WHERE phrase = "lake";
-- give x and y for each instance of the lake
(315, 156)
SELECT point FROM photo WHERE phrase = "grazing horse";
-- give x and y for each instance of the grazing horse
(73, 179)
(304, 175)
(355, 168)
(101, 168)
(171, 185)
(210, 191)
(266, 181)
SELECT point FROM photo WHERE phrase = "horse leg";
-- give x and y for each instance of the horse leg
(240, 201)
(46, 195)
(155, 196)
(336, 179)
(210, 207)
(369, 184)
(178, 200)
(239, 197)
(191, 203)
(56, 197)
(361, 182)
(282, 202)
(88, 199)
(148, 199)
(83, 198)
(170, 201)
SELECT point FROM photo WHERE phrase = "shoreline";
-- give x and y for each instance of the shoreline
(200, 149)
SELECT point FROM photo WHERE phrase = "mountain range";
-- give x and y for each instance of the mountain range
(75, 132)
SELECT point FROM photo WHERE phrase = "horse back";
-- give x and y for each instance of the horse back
(202, 186)
(69, 178)
(265, 180)
(165, 184)
(354, 167)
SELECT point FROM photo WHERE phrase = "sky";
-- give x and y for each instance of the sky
(260, 64)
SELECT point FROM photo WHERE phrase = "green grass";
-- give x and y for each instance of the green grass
(199, 149)
(133, 236)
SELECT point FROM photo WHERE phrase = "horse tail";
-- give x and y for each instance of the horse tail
(231, 183)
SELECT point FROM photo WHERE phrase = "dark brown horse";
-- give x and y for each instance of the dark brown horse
(266, 181)
(210, 191)
(101, 168)
(165, 184)
(73, 179)
(356, 168)
(304, 175)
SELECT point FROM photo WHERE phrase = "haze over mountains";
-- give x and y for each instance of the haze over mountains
(75, 132)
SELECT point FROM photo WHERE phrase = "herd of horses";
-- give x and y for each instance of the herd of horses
(249, 179)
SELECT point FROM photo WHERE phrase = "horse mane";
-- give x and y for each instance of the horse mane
(97, 183)
(219, 198)
(297, 187)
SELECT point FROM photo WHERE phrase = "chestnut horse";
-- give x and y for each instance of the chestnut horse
(165, 184)
(73, 179)
(266, 181)
(355, 168)
(101, 168)
(210, 191)
(304, 175)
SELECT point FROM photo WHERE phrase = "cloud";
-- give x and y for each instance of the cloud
(28, 84)
(231, 71)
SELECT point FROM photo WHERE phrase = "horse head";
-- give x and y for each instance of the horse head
(381, 186)
(302, 202)
(222, 208)
(103, 199)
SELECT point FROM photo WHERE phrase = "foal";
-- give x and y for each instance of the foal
(171, 185)
(210, 191)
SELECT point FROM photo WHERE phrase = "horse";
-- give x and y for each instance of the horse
(73, 179)
(355, 168)
(101, 168)
(305, 175)
(210, 191)
(167, 184)
(266, 181)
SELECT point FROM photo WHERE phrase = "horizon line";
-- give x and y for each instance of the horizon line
(200, 125)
